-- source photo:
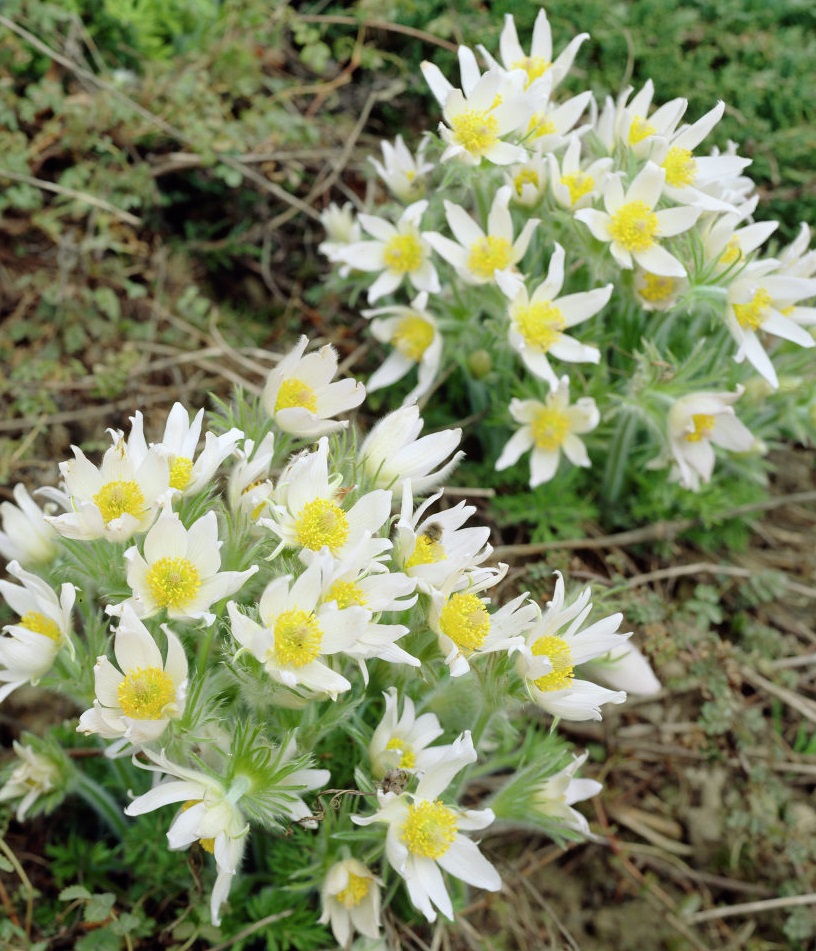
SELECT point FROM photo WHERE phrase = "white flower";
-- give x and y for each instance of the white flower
(548, 429)
(539, 62)
(725, 245)
(548, 659)
(28, 649)
(798, 259)
(551, 124)
(342, 229)
(179, 442)
(479, 256)
(392, 453)
(210, 815)
(656, 291)
(179, 571)
(625, 668)
(528, 180)
(398, 251)
(300, 396)
(35, 776)
(249, 488)
(572, 186)
(414, 334)
(424, 835)
(297, 630)
(306, 510)
(756, 301)
(401, 171)
(351, 901)
(538, 321)
(696, 423)
(555, 796)
(27, 538)
(116, 500)
(480, 116)
(400, 741)
(137, 702)
(628, 122)
(632, 228)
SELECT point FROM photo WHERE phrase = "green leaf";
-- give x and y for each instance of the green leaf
(72, 892)
(99, 906)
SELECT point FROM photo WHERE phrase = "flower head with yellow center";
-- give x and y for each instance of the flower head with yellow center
(550, 655)
(302, 396)
(631, 226)
(402, 740)
(26, 537)
(29, 647)
(479, 256)
(413, 334)
(136, 701)
(630, 123)
(538, 321)
(425, 833)
(576, 184)
(179, 571)
(402, 171)
(547, 430)
(296, 631)
(36, 775)
(351, 901)
(397, 252)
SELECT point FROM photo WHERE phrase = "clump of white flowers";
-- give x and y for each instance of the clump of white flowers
(598, 249)
(253, 617)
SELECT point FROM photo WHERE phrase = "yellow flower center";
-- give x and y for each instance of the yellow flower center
(579, 184)
(489, 254)
(345, 593)
(541, 125)
(407, 758)
(294, 392)
(429, 829)
(173, 582)
(119, 498)
(412, 337)
(640, 129)
(634, 226)
(560, 656)
(732, 252)
(549, 427)
(656, 288)
(465, 620)
(356, 890)
(181, 471)
(681, 168)
(427, 551)
(527, 176)
(476, 130)
(298, 638)
(403, 253)
(144, 694)
(207, 844)
(541, 324)
(703, 427)
(322, 523)
(534, 66)
(752, 315)
(40, 624)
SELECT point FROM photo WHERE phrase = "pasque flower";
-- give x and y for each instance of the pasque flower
(27, 538)
(351, 901)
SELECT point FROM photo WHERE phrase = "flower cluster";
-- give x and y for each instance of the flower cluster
(246, 608)
(599, 245)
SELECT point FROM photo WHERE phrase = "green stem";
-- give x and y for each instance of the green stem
(618, 458)
(102, 802)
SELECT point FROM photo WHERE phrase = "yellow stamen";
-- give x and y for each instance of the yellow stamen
(40, 624)
(752, 315)
(430, 829)
(541, 324)
(403, 253)
(634, 226)
(579, 184)
(550, 427)
(681, 168)
(732, 252)
(412, 337)
(476, 130)
(534, 66)
(119, 498)
(345, 593)
(181, 470)
(298, 638)
(465, 620)
(173, 582)
(427, 551)
(541, 125)
(639, 130)
(294, 392)
(656, 288)
(489, 254)
(322, 523)
(703, 427)
(207, 844)
(527, 176)
(560, 656)
(145, 694)
(356, 890)
(408, 758)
